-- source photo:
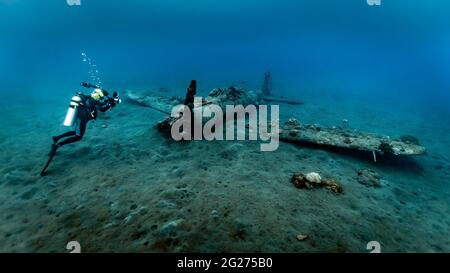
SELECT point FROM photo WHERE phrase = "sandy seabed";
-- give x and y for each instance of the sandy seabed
(125, 188)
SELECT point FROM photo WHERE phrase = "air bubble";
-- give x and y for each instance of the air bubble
(93, 72)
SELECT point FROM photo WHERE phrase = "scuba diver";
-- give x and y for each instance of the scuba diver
(82, 109)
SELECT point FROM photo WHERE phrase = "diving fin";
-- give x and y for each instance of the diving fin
(51, 154)
(53, 150)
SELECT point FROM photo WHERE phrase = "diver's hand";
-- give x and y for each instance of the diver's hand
(114, 100)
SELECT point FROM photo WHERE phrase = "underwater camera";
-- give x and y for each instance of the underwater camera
(115, 99)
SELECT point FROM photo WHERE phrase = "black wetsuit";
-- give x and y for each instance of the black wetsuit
(87, 111)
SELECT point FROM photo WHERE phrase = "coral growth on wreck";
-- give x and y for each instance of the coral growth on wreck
(314, 180)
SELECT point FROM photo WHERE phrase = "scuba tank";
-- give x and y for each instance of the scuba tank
(72, 111)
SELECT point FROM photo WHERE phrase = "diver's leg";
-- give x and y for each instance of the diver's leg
(82, 130)
(56, 145)
(69, 140)
(79, 133)
(67, 134)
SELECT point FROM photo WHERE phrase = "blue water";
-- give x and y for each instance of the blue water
(400, 47)
(383, 68)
